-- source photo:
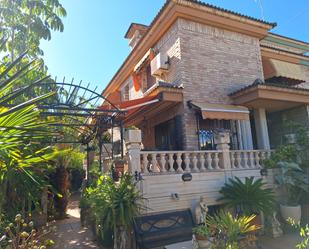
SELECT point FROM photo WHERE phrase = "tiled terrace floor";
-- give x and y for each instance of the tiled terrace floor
(288, 241)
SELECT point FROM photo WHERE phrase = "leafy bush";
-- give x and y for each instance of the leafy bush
(297, 152)
(287, 153)
(76, 159)
(231, 232)
(294, 180)
(75, 168)
(202, 231)
(114, 205)
(249, 196)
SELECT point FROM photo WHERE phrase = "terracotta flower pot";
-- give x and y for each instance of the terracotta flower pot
(203, 242)
(293, 212)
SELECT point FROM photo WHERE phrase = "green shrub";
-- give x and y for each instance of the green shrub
(294, 180)
(231, 232)
(248, 197)
(113, 205)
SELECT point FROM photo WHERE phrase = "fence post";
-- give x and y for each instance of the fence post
(133, 140)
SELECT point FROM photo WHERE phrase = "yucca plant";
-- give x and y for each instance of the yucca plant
(22, 157)
(248, 197)
(231, 232)
(115, 205)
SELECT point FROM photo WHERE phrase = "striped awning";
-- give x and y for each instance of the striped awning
(276, 68)
(149, 55)
(221, 111)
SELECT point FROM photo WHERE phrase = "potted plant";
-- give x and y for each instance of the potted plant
(295, 182)
(203, 236)
(248, 197)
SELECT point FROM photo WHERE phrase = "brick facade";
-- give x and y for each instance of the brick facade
(215, 63)
(209, 63)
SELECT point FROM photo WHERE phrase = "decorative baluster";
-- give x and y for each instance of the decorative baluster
(216, 160)
(209, 160)
(187, 162)
(268, 154)
(163, 161)
(238, 159)
(257, 159)
(194, 162)
(202, 162)
(245, 159)
(171, 162)
(179, 162)
(154, 163)
(262, 157)
(145, 163)
(252, 157)
(232, 155)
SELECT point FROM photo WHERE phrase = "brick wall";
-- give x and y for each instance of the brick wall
(169, 44)
(214, 63)
(210, 63)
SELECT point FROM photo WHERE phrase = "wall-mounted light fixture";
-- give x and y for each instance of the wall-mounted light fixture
(186, 177)
(175, 196)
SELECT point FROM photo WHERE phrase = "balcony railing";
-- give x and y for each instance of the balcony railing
(156, 162)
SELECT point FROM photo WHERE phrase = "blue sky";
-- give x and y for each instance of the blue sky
(92, 46)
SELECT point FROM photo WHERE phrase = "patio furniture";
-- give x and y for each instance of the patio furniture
(163, 229)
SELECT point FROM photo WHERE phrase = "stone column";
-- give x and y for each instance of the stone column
(239, 135)
(261, 128)
(133, 140)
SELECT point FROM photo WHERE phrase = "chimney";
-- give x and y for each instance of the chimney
(135, 32)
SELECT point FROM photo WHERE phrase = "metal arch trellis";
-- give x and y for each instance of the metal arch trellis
(76, 107)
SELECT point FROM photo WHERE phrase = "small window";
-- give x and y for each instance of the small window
(125, 93)
(207, 129)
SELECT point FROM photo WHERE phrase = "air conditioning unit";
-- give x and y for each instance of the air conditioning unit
(159, 65)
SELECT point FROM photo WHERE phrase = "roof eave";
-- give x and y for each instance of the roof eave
(165, 11)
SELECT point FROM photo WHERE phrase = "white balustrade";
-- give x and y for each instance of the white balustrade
(159, 162)
(248, 159)
(180, 161)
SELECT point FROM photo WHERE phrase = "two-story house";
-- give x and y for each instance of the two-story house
(198, 68)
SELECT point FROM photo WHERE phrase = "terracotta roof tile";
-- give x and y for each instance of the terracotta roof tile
(231, 12)
(258, 82)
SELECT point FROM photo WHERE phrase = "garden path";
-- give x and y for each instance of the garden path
(69, 233)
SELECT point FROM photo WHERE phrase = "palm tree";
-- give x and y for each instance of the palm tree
(22, 158)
